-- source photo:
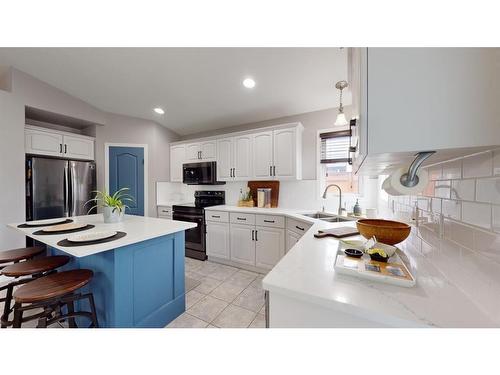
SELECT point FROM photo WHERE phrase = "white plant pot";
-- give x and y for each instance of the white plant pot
(112, 217)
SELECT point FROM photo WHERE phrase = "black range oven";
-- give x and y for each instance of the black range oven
(195, 213)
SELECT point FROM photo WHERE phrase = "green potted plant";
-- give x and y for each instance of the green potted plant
(113, 205)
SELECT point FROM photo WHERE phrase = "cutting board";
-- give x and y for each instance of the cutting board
(337, 232)
(273, 185)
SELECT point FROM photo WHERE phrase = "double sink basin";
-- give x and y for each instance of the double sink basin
(331, 218)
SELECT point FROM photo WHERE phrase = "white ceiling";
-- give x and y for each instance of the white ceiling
(199, 88)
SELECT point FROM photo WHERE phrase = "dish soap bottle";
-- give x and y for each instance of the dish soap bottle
(356, 210)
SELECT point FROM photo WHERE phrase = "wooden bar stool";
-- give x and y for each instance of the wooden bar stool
(52, 293)
(16, 255)
(34, 269)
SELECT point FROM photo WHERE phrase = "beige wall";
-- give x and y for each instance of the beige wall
(312, 121)
(124, 129)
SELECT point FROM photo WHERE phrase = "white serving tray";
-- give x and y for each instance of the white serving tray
(360, 268)
(87, 237)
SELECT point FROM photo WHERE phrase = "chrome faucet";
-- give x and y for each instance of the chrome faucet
(340, 197)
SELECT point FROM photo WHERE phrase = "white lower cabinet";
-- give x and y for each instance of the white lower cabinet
(242, 243)
(218, 241)
(291, 239)
(269, 246)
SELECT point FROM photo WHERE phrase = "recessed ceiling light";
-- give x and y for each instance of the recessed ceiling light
(249, 83)
(159, 110)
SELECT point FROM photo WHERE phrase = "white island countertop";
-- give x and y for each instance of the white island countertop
(307, 273)
(138, 229)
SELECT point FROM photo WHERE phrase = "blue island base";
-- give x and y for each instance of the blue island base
(136, 286)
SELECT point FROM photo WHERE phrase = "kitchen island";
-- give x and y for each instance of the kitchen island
(138, 279)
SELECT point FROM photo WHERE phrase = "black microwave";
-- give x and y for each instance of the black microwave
(200, 173)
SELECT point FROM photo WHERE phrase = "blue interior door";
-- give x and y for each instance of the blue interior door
(126, 169)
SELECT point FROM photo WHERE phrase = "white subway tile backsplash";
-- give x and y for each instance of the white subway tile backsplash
(452, 170)
(463, 189)
(451, 209)
(429, 190)
(435, 172)
(442, 189)
(480, 165)
(496, 162)
(477, 214)
(488, 190)
(436, 205)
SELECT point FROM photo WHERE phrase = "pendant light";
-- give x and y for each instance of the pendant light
(341, 120)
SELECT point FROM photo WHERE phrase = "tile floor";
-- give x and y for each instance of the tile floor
(226, 297)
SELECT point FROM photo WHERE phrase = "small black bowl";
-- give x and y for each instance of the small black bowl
(354, 253)
(379, 258)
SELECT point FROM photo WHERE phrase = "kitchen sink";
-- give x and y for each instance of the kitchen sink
(331, 218)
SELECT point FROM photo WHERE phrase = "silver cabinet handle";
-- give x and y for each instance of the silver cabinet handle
(299, 228)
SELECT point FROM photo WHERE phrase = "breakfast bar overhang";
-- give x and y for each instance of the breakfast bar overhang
(138, 279)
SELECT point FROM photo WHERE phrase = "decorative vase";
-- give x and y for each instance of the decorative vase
(112, 217)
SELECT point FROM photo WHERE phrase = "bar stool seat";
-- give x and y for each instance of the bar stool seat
(23, 253)
(56, 295)
(53, 286)
(35, 266)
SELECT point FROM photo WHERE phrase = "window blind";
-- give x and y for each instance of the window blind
(335, 147)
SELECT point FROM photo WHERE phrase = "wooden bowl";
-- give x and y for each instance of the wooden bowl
(386, 231)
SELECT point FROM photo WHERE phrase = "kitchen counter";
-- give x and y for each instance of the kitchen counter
(305, 291)
(138, 228)
(172, 203)
(139, 279)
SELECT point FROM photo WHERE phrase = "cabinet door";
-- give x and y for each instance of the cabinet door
(208, 150)
(262, 155)
(269, 246)
(284, 154)
(78, 148)
(291, 239)
(43, 143)
(242, 157)
(218, 240)
(242, 245)
(193, 152)
(224, 159)
(177, 157)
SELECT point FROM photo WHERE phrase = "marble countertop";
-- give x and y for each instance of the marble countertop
(307, 273)
(138, 228)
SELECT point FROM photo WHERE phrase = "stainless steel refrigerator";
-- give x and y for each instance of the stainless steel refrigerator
(58, 188)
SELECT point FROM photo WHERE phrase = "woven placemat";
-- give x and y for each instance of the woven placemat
(67, 221)
(67, 243)
(42, 233)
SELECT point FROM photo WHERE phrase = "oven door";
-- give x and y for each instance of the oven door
(195, 237)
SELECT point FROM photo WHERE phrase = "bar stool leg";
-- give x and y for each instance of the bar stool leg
(93, 311)
(18, 316)
(6, 308)
(71, 309)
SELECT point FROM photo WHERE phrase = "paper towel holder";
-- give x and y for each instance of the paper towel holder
(410, 179)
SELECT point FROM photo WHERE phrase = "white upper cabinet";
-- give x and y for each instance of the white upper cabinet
(425, 99)
(285, 154)
(78, 148)
(55, 143)
(201, 151)
(177, 158)
(225, 159)
(242, 161)
(273, 153)
(43, 142)
(262, 152)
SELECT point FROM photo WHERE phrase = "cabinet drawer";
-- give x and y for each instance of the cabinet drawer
(242, 218)
(219, 216)
(164, 211)
(297, 226)
(270, 221)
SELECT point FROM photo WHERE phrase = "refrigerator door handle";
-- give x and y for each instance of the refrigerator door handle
(66, 191)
